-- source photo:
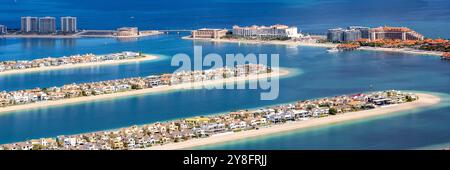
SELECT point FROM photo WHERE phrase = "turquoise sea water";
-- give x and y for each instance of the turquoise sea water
(322, 74)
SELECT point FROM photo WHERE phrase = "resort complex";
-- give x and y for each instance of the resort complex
(353, 33)
(11, 67)
(209, 33)
(204, 127)
(446, 56)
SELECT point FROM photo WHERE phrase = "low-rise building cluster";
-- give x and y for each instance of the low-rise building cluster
(75, 59)
(120, 85)
(145, 136)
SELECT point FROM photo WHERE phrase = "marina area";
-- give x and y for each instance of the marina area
(68, 62)
(203, 130)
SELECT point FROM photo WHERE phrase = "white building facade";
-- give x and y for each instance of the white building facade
(68, 24)
(271, 31)
(3, 29)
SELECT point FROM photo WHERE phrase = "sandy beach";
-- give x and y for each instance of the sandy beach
(275, 73)
(70, 66)
(424, 101)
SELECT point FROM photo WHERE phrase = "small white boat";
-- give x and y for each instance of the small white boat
(333, 50)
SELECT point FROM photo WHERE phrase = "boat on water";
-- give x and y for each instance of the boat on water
(333, 50)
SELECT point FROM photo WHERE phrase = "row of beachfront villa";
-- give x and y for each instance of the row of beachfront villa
(128, 84)
(61, 61)
(146, 136)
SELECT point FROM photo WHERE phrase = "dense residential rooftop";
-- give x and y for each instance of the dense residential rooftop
(70, 60)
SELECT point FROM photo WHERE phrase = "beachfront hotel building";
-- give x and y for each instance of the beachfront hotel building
(29, 24)
(209, 33)
(47, 25)
(3, 29)
(68, 24)
(335, 35)
(353, 33)
(127, 32)
(394, 33)
(263, 31)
